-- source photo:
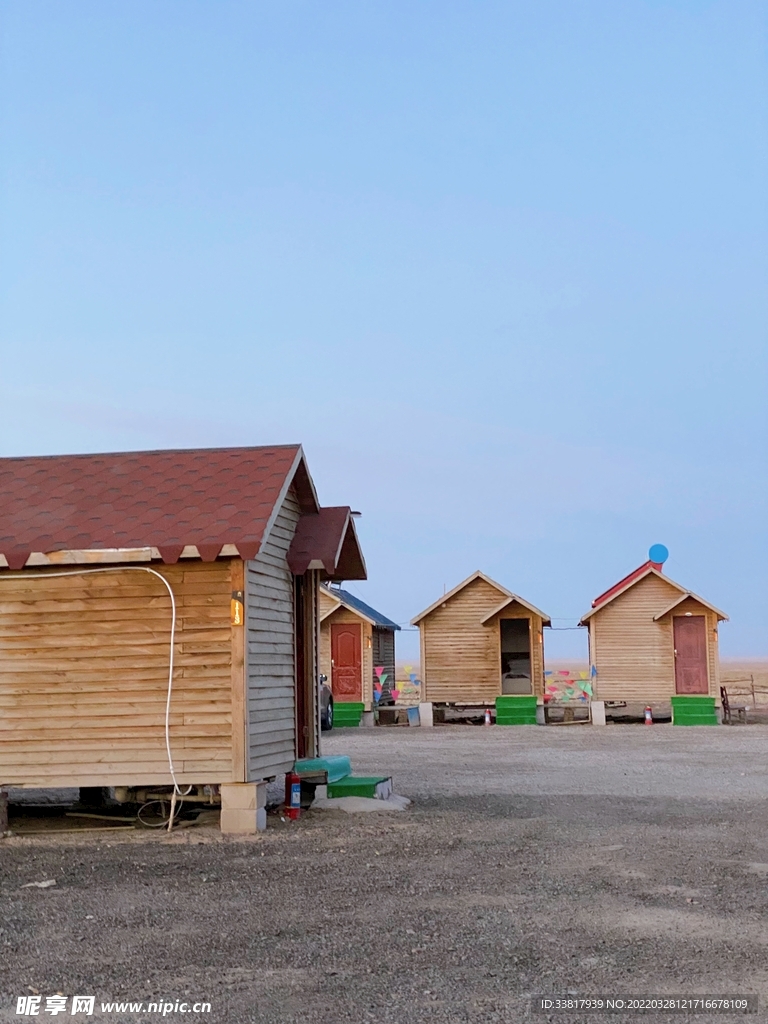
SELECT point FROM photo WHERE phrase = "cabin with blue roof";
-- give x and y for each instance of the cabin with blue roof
(357, 647)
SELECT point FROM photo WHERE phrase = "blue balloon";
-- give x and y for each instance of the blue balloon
(658, 553)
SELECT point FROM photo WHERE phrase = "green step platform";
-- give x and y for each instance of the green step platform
(694, 711)
(347, 714)
(371, 786)
(519, 709)
(324, 769)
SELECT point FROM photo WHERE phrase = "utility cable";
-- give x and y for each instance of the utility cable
(127, 568)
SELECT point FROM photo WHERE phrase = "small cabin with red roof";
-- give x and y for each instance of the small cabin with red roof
(650, 638)
(159, 619)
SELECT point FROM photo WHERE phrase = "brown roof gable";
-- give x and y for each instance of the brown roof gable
(648, 569)
(164, 499)
(507, 595)
(328, 538)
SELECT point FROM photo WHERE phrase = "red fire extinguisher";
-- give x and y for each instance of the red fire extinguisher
(292, 795)
(648, 716)
(487, 716)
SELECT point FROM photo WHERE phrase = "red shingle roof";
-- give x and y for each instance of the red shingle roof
(635, 575)
(163, 499)
(328, 537)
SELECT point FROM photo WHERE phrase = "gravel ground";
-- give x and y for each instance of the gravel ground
(548, 861)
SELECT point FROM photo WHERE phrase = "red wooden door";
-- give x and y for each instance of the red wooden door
(690, 638)
(346, 661)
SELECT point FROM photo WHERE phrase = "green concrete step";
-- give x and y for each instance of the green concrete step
(371, 786)
(694, 710)
(516, 700)
(701, 700)
(333, 768)
(347, 714)
(691, 719)
(517, 709)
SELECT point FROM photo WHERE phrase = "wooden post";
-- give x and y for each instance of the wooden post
(237, 635)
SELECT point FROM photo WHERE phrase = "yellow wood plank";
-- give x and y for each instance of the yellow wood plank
(83, 676)
(237, 678)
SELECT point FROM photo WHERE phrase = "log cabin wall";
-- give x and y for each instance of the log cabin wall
(270, 654)
(84, 678)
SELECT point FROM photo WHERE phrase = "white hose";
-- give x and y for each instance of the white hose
(126, 568)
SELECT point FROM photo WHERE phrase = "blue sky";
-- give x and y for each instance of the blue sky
(500, 267)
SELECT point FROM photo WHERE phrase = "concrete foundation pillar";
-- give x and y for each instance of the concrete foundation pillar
(541, 718)
(598, 712)
(425, 715)
(368, 720)
(243, 807)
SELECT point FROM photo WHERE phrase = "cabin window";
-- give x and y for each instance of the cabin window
(515, 656)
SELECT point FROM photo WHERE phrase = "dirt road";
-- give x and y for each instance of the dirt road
(533, 861)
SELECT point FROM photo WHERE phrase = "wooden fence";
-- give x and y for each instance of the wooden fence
(744, 688)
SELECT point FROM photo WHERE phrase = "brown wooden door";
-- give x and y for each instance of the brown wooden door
(690, 638)
(346, 661)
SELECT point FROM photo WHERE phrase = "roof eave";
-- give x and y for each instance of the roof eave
(694, 597)
(545, 619)
(353, 567)
(477, 575)
(649, 571)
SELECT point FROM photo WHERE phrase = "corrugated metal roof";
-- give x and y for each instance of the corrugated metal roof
(164, 499)
(357, 605)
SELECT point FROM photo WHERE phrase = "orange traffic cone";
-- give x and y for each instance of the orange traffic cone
(648, 716)
(487, 716)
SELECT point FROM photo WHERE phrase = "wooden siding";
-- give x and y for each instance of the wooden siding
(343, 614)
(237, 635)
(270, 655)
(634, 655)
(535, 641)
(383, 653)
(461, 659)
(325, 604)
(325, 649)
(84, 678)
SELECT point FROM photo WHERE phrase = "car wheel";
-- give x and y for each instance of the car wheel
(327, 722)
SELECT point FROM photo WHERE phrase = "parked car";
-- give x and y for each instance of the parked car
(326, 705)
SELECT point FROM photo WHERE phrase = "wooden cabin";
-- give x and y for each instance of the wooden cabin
(480, 641)
(357, 646)
(650, 639)
(110, 565)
